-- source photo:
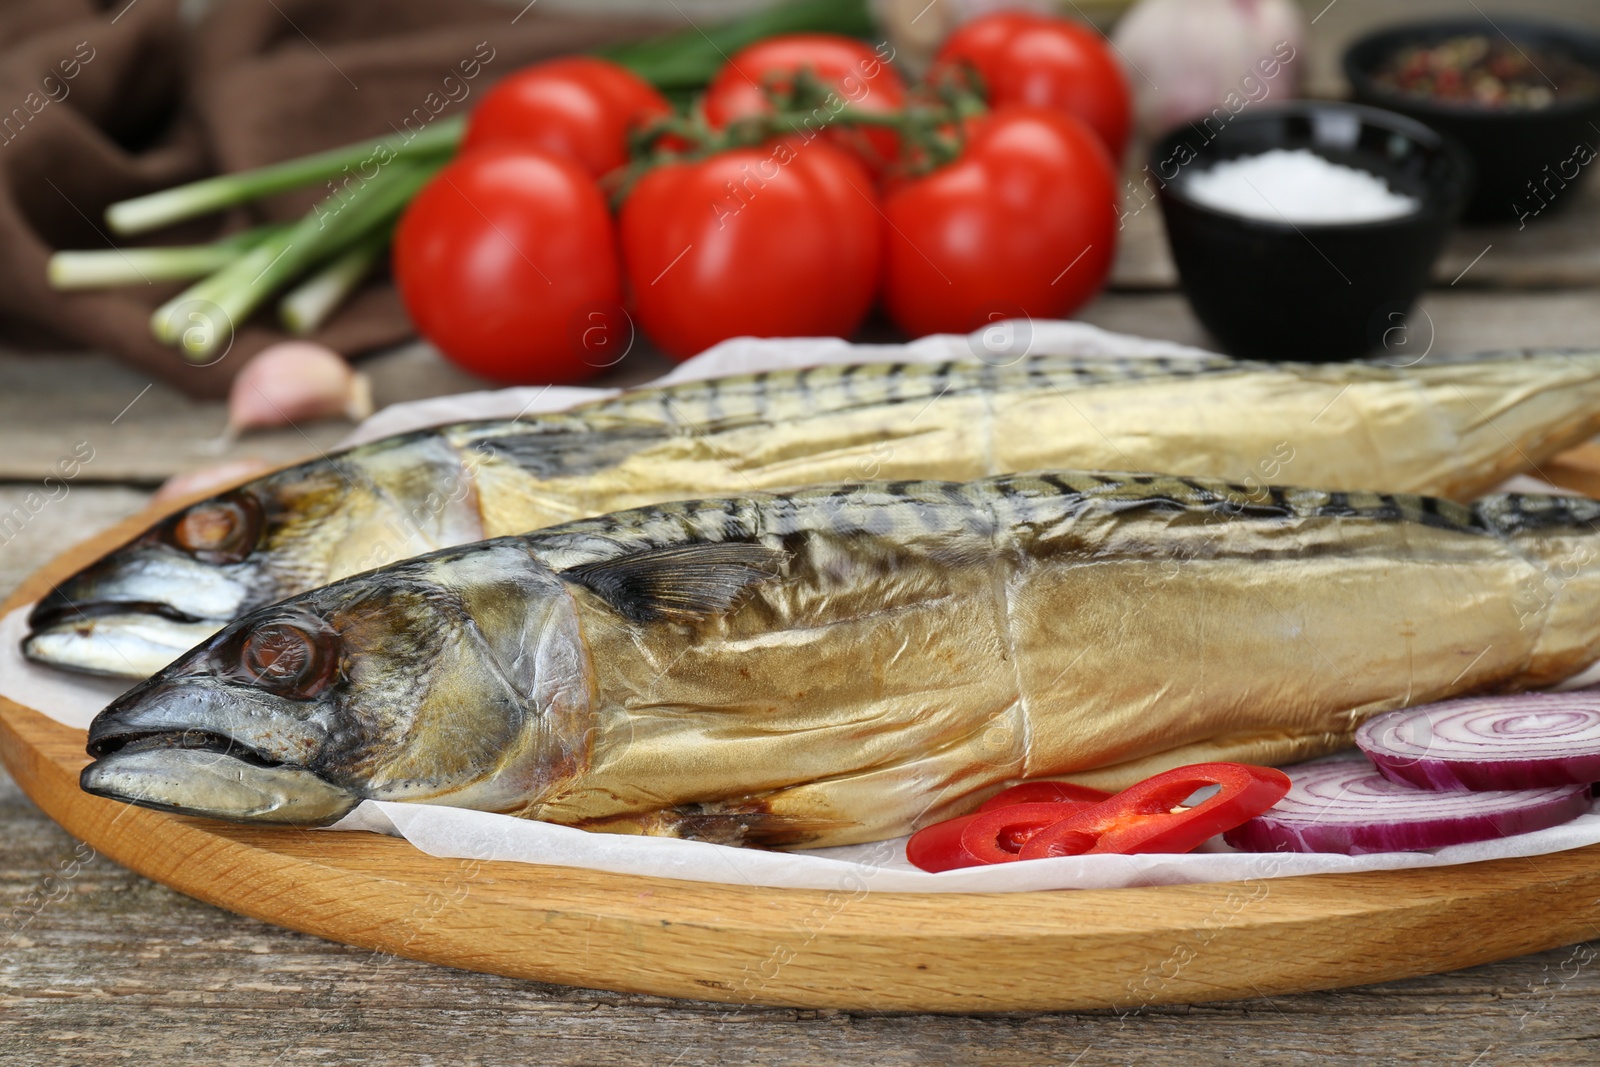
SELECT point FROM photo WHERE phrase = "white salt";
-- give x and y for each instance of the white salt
(1297, 186)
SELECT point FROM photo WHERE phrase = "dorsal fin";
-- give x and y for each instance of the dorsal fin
(681, 583)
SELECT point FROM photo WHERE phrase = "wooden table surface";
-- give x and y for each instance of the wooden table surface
(98, 965)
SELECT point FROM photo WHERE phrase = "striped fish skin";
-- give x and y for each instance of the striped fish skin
(1451, 428)
(847, 663)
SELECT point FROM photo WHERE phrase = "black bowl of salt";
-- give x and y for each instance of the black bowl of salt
(1307, 231)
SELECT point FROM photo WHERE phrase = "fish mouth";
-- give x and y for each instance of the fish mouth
(119, 640)
(199, 770)
(190, 740)
(213, 777)
(132, 613)
(52, 614)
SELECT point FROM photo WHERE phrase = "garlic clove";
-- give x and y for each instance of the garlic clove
(1204, 61)
(296, 381)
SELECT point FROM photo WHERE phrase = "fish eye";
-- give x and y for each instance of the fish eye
(223, 530)
(289, 659)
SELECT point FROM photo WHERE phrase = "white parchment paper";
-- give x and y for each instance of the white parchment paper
(474, 835)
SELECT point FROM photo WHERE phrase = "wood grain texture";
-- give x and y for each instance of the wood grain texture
(145, 432)
(841, 950)
(28, 536)
(106, 967)
(1577, 469)
(1445, 320)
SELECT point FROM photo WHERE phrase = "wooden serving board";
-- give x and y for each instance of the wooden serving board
(880, 951)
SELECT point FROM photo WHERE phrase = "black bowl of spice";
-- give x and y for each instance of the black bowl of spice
(1521, 96)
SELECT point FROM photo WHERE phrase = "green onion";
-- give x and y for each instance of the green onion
(225, 190)
(136, 266)
(307, 306)
(229, 297)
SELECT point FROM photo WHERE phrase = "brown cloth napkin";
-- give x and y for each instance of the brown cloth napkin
(103, 101)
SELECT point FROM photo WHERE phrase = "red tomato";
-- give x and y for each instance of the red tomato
(860, 77)
(579, 107)
(1024, 223)
(502, 261)
(784, 240)
(1025, 58)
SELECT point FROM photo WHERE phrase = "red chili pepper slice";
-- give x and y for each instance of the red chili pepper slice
(942, 846)
(999, 836)
(1150, 816)
(938, 847)
(1044, 793)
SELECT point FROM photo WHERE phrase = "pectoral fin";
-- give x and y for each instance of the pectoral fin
(745, 824)
(682, 583)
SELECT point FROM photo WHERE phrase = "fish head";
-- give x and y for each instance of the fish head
(427, 681)
(135, 610)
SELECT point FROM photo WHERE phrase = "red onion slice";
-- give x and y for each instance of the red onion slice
(1342, 804)
(1506, 742)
